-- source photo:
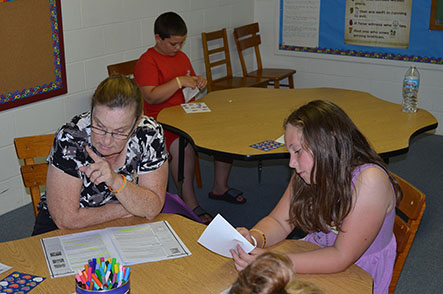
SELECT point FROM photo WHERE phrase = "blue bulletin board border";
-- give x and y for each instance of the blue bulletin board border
(425, 45)
(52, 88)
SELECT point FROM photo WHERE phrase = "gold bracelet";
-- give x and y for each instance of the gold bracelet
(121, 188)
(262, 235)
(178, 82)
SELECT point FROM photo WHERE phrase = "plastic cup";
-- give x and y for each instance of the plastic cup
(123, 289)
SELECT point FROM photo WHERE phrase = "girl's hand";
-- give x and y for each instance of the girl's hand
(243, 259)
(245, 233)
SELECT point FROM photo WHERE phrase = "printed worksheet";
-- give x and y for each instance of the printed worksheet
(129, 245)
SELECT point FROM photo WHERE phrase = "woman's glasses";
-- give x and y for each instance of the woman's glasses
(115, 135)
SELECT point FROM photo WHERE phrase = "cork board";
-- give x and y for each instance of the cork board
(32, 65)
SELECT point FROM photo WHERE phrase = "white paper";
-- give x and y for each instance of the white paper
(226, 291)
(220, 236)
(195, 107)
(4, 268)
(280, 139)
(189, 93)
(129, 245)
(301, 22)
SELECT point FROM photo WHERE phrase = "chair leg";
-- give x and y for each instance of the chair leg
(276, 84)
(198, 177)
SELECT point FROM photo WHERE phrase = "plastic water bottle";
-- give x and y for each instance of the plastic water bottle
(411, 84)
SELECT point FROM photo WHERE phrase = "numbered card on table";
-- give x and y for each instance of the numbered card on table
(195, 107)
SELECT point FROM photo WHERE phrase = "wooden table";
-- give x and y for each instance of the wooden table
(202, 272)
(245, 116)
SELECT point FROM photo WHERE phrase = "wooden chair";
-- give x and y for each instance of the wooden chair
(247, 37)
(409, 214)
(127, 69)
(123, 68)
(33, 174)
(228, 81)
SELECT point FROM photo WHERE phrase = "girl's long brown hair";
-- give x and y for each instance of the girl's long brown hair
(337, 147)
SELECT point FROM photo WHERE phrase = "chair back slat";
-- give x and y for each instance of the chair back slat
(249, 29)
(412, 206)
(252, 41)
(123, 68)
(33, 146)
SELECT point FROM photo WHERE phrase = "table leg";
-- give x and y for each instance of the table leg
(259, 171)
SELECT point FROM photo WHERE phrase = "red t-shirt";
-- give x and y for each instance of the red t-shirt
(154, 68)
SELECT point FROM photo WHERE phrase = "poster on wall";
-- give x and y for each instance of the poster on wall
(378, 23)
(301, 20)
(32, 63)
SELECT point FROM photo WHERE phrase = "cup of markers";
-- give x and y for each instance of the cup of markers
(103, 276)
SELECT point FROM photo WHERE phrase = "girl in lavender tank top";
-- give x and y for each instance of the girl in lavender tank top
(340, 193)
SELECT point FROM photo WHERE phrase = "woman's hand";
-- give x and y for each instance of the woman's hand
(243, 259)
(100, 171)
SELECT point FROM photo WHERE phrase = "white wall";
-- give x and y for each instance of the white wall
(377, 77)
(98, 33)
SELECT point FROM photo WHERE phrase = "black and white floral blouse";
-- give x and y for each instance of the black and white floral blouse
(146, 151)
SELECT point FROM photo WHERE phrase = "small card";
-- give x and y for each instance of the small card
(19, 283)
(195, 107)
(267, 145)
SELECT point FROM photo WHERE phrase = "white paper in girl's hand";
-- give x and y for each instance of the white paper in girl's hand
(220, 236)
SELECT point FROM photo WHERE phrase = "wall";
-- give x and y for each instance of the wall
(98, 33)
(380, 78)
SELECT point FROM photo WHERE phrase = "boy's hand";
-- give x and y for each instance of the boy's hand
(193, 81)
(201, 82)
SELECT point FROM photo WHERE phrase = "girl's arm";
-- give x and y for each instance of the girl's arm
(373, 199)
(274, 226)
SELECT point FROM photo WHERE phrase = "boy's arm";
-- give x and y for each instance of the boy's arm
(161, 93)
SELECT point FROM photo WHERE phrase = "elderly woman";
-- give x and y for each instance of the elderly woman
(105, 164)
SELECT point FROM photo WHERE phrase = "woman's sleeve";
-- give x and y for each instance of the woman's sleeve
(153, 146)
(67, 153)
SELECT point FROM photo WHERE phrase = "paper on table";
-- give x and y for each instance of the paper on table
(220, 237)
(281, 139)
(189, 93)
(4, 268)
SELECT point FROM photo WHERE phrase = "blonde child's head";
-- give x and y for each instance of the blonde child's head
(271, 273)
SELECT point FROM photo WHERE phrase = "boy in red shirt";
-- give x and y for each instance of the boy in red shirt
(161, 73)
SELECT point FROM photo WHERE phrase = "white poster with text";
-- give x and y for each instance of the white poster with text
(378, 23)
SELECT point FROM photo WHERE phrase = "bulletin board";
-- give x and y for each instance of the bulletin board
(425, 45)
(32, 64)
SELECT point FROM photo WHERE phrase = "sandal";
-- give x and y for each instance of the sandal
(200, 212)
(231, 195)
